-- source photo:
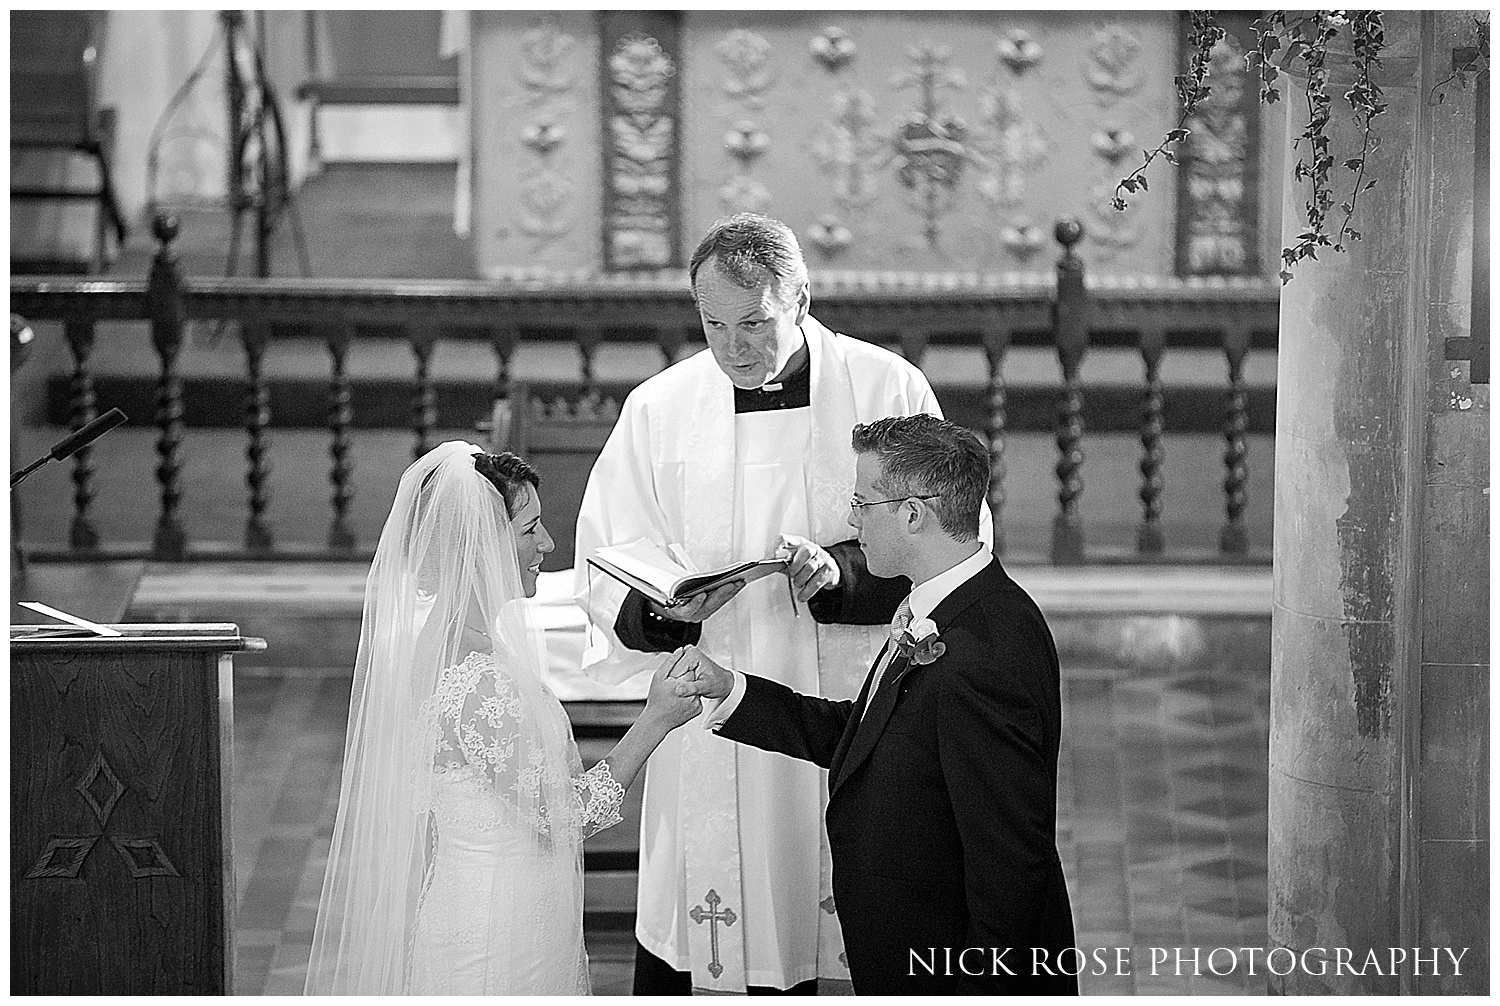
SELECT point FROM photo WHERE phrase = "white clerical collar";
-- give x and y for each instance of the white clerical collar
(927, 595)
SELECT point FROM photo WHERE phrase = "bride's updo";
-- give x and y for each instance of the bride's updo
(508, 472)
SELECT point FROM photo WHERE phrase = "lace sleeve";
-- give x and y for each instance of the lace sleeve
(485, 735)
(600, 797)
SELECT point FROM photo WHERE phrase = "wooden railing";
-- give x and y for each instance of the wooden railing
(916, 312)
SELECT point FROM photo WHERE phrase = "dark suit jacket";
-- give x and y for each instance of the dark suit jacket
(942, 802)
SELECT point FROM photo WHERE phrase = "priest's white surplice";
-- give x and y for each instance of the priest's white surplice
(728, 830)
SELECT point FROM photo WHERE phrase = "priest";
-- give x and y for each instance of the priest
(743, 452)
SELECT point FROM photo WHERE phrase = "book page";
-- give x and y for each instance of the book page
(646, 561)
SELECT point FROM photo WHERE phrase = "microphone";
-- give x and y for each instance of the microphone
(70, 444)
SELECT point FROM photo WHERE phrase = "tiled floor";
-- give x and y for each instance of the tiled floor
(1162, 826)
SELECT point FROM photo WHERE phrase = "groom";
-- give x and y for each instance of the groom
(943, 773)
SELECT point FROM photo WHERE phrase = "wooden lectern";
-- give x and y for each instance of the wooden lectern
(121, 879)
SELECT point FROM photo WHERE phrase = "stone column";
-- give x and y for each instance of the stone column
(1379, 664)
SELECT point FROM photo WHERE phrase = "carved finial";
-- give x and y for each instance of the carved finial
(1068, 231)
(165, 226)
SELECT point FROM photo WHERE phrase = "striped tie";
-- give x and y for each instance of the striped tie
(899, 621)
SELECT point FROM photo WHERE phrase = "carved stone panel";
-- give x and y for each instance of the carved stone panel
(535, 136)
(935, 141)
(639, 101)
(1218, 194)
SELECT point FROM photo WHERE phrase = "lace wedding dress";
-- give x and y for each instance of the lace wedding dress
(501, 907)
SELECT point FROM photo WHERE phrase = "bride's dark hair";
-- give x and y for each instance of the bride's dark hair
(508, 472)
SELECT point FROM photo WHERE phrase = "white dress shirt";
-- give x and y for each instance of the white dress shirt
(924, 599)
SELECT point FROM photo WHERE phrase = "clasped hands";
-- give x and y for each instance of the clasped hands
(810, 569)
(681, 683)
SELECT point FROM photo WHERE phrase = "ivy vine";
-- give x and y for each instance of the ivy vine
(1306, 39)
(1192, 88)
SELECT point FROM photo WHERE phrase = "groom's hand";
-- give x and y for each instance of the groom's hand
(700, 606)
(810, 568)
(700, 675)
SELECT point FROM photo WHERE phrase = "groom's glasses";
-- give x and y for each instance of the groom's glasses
(855, 504)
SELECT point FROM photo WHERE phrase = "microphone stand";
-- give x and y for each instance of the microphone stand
(64, 448)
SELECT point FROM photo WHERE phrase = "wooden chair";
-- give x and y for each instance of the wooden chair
(53, 108)
(561, 437)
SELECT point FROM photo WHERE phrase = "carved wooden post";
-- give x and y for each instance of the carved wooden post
(996, 340)
(424, 402)
(22, 342)
(1070, 328)
(256, 336)
(82, 535)
(168, 313)
(340, 421)
(1233, 539)
(1148, 537)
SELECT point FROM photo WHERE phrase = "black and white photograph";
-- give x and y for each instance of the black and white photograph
(739, 502)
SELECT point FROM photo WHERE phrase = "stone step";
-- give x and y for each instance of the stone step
(1105, 618)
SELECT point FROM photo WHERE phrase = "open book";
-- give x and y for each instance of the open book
(648, 568)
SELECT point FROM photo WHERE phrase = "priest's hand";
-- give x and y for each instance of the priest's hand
(700, 606)
(811, 567)
(701, 675)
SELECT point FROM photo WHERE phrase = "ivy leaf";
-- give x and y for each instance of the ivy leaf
(1128, 184)
(1142, 180)
(1354, 163)
(1286, 277)
(1354, 235)
(1370, 184)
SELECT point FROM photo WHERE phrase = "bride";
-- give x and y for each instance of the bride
(456, 864)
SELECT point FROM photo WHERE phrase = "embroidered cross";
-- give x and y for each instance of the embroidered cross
(713, 917)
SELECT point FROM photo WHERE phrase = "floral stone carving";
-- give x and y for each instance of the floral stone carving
(748, 57)
(1111, 67)
(833, 48)
(1019, 51)
(930, 147)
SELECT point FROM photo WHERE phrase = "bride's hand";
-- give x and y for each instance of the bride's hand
(671, 700)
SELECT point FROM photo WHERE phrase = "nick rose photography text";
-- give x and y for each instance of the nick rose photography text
(1184, 961)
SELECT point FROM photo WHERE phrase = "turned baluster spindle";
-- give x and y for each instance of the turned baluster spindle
(1233, 538)
(1149, 539)
(503, 342)
(913, 345)
(669, 339)
(168, 314)
(256, 336)
(588, 337)
(1070, 326)
(83, 537)
(995, 343)
(340, 422)
(424, 401)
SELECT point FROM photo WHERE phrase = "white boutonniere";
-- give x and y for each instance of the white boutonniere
(919, 642)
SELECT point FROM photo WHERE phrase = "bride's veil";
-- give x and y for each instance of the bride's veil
(444, 592)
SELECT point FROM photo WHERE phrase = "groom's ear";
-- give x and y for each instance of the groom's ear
(920, 518)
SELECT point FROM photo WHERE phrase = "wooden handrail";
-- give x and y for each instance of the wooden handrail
(1067, 310)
